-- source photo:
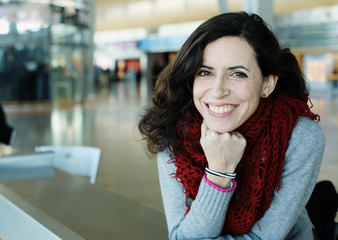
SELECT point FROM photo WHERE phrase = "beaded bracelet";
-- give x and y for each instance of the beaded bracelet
(219, 174)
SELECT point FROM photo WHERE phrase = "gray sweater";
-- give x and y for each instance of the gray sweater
(286, 218)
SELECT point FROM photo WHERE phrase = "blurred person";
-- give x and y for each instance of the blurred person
(238, 148)
(6, 134)
(120, 72)
(334, 75)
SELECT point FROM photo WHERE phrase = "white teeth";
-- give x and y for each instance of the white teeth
(221, 109)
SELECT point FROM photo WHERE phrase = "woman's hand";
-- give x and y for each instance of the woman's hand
(223, 152)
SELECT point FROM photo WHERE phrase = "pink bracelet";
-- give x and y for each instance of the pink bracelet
(218, 188)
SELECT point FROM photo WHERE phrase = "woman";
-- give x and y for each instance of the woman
(238, 148)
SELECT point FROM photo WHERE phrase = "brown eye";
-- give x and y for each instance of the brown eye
(239, 74)
(204, 73)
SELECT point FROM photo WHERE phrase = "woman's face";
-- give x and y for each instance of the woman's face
(228, 86)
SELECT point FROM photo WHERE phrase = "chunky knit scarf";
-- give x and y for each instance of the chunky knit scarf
(259, 173)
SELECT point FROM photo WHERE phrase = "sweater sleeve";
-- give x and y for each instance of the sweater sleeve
(281, 221)
(207, 213)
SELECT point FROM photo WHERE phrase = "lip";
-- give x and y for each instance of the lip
(220, 105)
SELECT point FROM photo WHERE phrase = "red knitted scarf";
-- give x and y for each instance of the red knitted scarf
(267, 133)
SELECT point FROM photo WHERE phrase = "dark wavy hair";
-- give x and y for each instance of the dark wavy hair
(173, 100)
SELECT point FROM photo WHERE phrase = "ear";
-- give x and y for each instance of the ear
(269, 85)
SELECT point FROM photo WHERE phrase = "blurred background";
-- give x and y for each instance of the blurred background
(82, 72)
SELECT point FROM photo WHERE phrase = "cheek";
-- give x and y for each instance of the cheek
(198, 93)
(198, 90)
(248, 91)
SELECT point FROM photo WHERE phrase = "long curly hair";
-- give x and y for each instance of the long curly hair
(173, 104)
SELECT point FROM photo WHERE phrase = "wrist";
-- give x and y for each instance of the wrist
(222, 169)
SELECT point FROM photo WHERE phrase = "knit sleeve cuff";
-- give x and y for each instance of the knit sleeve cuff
(227, 190)
(212, 203)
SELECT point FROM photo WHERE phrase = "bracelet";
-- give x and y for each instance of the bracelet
(219, 174)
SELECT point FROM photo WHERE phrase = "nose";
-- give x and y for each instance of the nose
(220, 87)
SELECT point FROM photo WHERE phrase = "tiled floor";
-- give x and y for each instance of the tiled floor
(108, 120)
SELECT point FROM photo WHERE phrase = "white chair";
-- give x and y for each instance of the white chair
(77, 160)
(18, 167)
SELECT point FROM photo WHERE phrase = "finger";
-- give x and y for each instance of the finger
(211, 134)
(204, 129)
(237, 134)
(240, 137)
(203, 133)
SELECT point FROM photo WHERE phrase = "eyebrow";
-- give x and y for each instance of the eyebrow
(229, 68)
(238, 66)
(208, 67)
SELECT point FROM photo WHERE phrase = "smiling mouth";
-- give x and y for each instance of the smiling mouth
(221, 109)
